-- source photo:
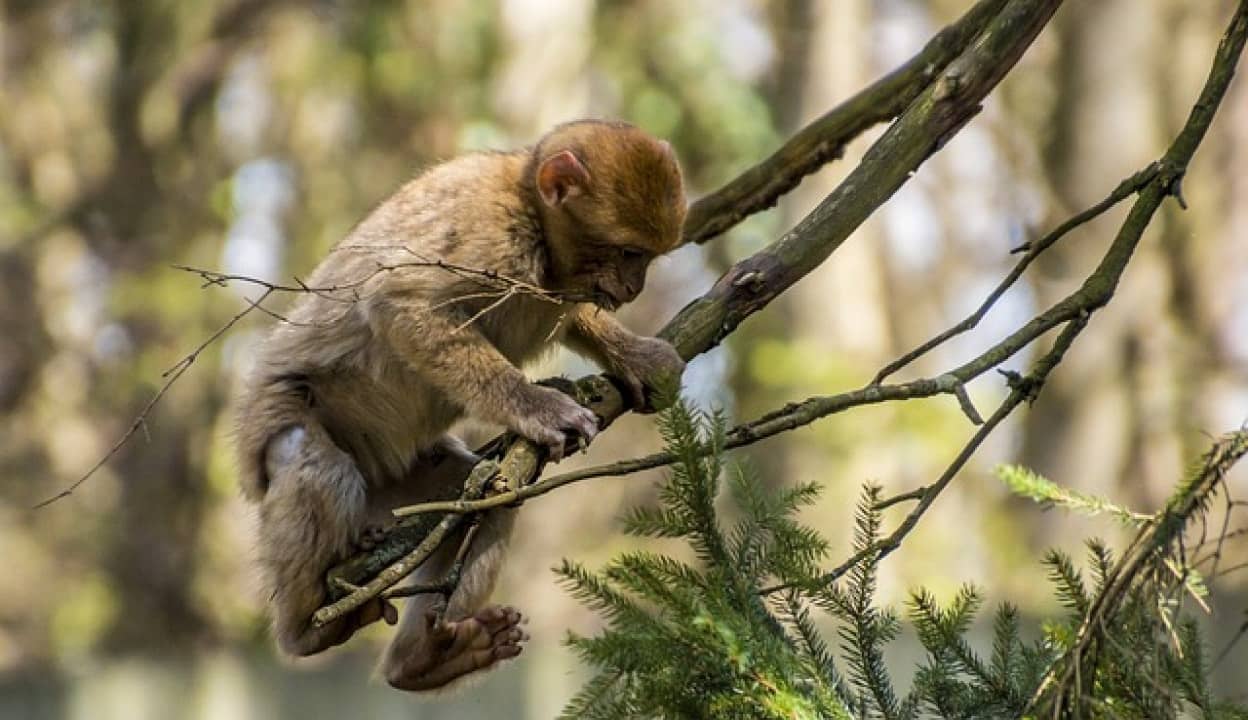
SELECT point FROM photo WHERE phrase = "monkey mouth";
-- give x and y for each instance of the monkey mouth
(606, 300)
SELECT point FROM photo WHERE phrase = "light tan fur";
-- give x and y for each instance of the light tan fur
(350, 399)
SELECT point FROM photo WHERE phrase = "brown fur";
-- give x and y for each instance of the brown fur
(336, 422)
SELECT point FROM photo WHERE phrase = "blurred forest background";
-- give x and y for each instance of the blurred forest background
(249, 135)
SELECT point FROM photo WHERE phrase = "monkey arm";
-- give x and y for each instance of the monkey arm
(598, 336)
(459, 362)
(639, 361)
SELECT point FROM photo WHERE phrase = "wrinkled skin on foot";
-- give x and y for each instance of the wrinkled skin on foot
(455, 648)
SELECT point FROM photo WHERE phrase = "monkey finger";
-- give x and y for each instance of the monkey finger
(585, 424)
(636, 391)
(554, 450)
(389, 612)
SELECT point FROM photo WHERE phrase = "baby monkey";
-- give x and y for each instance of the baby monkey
(422, 316)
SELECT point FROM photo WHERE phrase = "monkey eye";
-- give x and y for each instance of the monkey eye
(632, 253)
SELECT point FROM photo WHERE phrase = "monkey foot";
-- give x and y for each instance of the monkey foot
(458, 648)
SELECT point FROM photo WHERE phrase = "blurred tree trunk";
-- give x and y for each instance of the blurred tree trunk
(1084, 429)
(839, 308)
(151, 556)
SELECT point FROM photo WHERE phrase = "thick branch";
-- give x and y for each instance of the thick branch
(949, 101)
(824, 140)
(947, 104)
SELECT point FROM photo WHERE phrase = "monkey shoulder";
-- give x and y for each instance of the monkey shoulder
(469, 213)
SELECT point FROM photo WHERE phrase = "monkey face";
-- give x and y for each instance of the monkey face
(610, 269)
(613, 201)
(617, 276)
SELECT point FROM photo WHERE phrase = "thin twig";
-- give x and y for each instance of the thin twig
(915, 494)
(790, 417)
(1021, 390)
(1033, 250)
(170, 376)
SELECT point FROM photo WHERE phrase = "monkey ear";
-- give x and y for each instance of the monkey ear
(561, 176)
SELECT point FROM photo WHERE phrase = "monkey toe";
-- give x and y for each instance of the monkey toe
(501, 638)
(498, 618)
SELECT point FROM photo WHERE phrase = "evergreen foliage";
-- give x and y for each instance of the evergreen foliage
(733, 635)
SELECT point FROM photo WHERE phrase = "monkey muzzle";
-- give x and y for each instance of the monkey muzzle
(611, 296)
(606, 300)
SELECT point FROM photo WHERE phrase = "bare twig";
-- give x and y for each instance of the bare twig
(483, 276)
(1032, 250)
(1022, 389)
(503, 284)
(170, 376)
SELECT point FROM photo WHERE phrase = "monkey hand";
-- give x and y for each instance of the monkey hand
(644, 365)
(548, 417)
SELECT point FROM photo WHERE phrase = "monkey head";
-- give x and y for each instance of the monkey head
(611, 200)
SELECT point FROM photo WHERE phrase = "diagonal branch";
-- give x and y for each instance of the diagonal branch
(795, 415)
(824, 140)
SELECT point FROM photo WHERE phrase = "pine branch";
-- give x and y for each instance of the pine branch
(1061, 689)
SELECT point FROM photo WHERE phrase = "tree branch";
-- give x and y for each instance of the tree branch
(824, 140)
(949, 100)
(1031, 251)
(1075, 310)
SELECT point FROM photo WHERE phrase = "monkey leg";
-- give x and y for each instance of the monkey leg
(438, 645)
(310, 517)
